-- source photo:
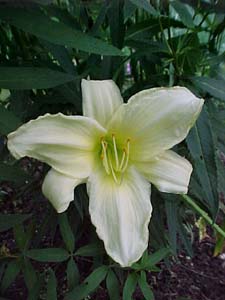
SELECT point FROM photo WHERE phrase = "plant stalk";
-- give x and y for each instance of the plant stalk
(203, 214)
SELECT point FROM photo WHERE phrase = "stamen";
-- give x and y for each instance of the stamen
(127, 157)
(115, 152)
(122, 160)
(112, 170)
(104, 156)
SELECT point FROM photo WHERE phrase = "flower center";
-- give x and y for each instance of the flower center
(115, 158)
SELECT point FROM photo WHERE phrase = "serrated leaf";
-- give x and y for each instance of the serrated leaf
(12, 270)
(8, 121)
(36, 23)
(26, 78)
(8, 221)
(145, 288)
(66, 232)
(200, 143)
(129, 286)
(72, 274)
(183, 13)
(48, 254)
(94, 249)
(112, 285)
(51, 286)
(215, 87)
(89, 284)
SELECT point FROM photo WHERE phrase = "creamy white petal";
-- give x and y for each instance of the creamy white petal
(156, 119)
(59, 189)
(121, 214)
(169, 172)
(66, 143)
(101, 98)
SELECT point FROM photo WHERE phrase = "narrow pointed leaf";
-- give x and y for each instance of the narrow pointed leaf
(145, 288)
(12, 270)
(51, 286)
(201, 144)
(48, 254)
(8, 221)
(72, 274)
(66, 231)
(183, 13)
(36, 23)
(129, 286)
(215, 87)
(26, 78)
(112, 285)
(89, 284)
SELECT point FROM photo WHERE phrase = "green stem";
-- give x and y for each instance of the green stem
(203, 214)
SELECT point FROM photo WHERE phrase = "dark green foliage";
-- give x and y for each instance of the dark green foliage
(45, 50)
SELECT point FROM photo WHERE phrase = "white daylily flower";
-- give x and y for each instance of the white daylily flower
(117, 149)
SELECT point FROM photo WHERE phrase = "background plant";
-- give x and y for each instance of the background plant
(46, 47)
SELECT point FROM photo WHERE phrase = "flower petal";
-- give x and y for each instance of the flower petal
(169, 172)
(121, 214)
(66, 143)
(59, 189)
(156, 119)
(100, 99)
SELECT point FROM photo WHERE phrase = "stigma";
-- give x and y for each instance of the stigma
(115, 159)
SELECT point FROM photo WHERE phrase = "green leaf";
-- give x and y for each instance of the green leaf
(51, 286)
(8, 121)
(157, 256)
(94, 249)
(129, 286)
(48, 254)
(215, 87)
(36, 23)
(66, 232)
(8, 221)
(12, 173)
(26, 78)
(112, 285)
(89, 284)
(62, 55)
(144, 4)
(171, 215)
(72, 274)
(200, 142)
(12, 270)
(30, 275)
(145, 288)
(183, 13)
